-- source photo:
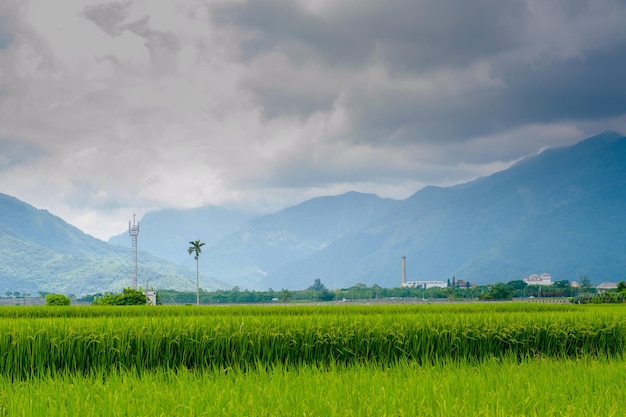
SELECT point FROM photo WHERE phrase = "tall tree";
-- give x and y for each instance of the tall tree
(585, 282)
(317, 285)
(196, 248)
(285, 295)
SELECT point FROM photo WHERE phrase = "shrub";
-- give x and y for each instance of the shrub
(128, 297)
(57, 300)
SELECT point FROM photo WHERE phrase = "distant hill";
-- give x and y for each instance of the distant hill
(561, 211)
(250, 257)
(167, 233)
(41, 252)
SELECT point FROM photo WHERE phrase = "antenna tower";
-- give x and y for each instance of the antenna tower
(133, 231)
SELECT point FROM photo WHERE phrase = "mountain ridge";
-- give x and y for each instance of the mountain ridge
(457, 231)
(559, 211)
(41, 252)
(166, 233)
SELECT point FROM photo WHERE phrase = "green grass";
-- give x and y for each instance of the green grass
(544, 387)
(247, 339)
(285, 310)
(504, 359)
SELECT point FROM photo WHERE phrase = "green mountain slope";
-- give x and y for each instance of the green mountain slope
(248, 257)
(560, 212)
(166, 233)
(41, 252)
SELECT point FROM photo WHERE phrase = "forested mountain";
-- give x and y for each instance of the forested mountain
(251, 257)
(562, 211)
(41, 252)
(167, 233)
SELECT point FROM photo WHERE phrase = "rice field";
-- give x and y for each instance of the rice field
(472, 359)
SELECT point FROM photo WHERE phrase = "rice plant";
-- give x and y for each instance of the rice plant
(496, 387)
(79, 340)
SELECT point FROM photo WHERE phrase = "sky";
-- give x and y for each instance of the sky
(114, 108)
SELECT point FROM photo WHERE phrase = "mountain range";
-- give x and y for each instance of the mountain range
(167, 233)
(560, 211)
(41, 252)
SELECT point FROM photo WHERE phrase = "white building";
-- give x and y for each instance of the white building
(543, 279)
(424, 284)
(607, 286)
(151, 297)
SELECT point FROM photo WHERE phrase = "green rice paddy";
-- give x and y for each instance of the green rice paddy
(501, 359)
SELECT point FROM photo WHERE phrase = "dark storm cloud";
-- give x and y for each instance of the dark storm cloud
(407, 34)
(579, 87)
(576, 88)
(142, 104)
(108, 16)
(403, 35)
(523, 44)
(112, 18)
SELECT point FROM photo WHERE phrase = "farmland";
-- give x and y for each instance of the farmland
(470, 359)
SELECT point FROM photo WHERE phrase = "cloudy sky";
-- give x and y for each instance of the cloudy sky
(111, 108)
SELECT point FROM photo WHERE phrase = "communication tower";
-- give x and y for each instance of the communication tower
(133, 231)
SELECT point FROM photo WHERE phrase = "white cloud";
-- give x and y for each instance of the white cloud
(129, 106)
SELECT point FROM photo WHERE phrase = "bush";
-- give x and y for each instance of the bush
(57, 300)
(128, 297)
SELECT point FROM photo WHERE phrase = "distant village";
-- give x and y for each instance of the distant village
(544, 279)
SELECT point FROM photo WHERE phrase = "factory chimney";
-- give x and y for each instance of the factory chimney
(404, 270)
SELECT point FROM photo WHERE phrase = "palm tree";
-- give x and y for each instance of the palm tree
(196, 247)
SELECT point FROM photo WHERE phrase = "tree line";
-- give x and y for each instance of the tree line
(319, 292)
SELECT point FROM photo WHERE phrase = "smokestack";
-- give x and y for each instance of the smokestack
(404, 270)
